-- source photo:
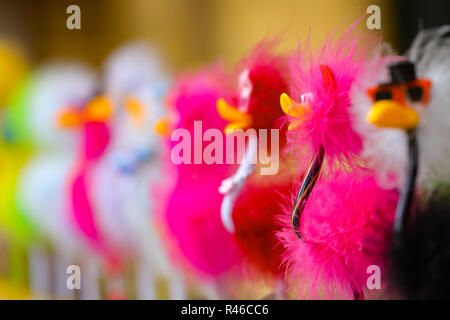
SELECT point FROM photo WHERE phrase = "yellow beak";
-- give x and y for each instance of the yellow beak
(164, 126)
(98, 109)
(293, 109)
(391, 114)
(237, 119)
(135, 109)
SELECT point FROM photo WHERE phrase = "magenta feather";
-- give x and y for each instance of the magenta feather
(193, 210)
(346, 225)
(328, 123)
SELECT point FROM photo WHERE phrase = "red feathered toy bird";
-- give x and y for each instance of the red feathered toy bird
(253, 193)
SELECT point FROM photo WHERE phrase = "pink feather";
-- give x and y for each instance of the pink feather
(269, 75)
(96, 138)
(193, 209)
(346, 225)
(328, 123)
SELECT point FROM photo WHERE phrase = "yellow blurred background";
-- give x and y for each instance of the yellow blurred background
(188, 32)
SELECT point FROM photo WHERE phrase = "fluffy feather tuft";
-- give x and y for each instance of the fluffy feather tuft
(431, 53)
(327, 123)
(193, 210)
(346, 225)
(256, 223)
(385, 150)
(254, 213)
(268, 75)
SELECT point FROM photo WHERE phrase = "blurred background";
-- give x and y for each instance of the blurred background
(192, 32)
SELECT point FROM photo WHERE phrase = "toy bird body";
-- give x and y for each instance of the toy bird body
(131, 166)
(39, 194)
(254, 216)
(193, 209)
(347, 227)
(133, 81)
(334, 215)
(253, 198)
(95, 139)
(43, 189)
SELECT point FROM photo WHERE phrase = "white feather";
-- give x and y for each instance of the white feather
(384, 149)
(42, 187)
(54, 87)
(129, 169)
(131, 66)
(431, 53)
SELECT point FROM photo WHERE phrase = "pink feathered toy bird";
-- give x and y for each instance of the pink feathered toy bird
(193, 209)
(96, 135)
(341, 226)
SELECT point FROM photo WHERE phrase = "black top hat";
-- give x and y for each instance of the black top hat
(401, 72)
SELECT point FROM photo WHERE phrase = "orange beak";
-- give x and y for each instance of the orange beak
(164, 126)
(98, 109)
(70, 117)
(136, 110)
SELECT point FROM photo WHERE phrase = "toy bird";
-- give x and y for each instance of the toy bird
(410, 102)
(251, 197)
(341, 219)
(192, 212)
(42, 184)
(93, 122)
(131, 167)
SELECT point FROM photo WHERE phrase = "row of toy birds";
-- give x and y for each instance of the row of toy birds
(78, 161)
(362, 181)
(370, 122)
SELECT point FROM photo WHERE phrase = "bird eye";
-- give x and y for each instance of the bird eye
(415, 93)
(383, 95)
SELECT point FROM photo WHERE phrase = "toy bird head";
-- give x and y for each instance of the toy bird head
(398, 103)
(411, 96)
(320, 108)
(192, 99)
(260, 85)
